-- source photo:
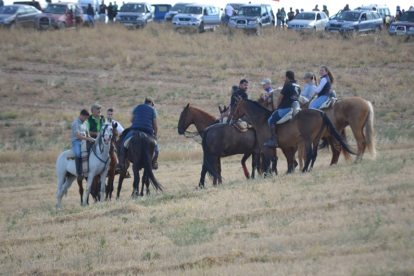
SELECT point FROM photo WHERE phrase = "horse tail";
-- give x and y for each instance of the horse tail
(145, 146)
(347, 156)
(324, 143)
(331, 129)
(209, 159)
(369, 131)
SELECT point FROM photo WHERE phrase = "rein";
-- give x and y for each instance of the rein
(189, 134)
(99, 142)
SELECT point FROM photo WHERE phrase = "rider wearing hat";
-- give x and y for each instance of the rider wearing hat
(94, 121)
(267, 86)
(143, 118)
(289, 94)
(80, 132)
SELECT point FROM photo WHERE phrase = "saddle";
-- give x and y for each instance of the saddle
(290, 116)
(85, 150)
(329, 103)
(85, 146)
(241, 126)
(303, 100)
(126, 143)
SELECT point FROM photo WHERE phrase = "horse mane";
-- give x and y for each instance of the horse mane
(259, 106)
(206, 113)
(124, 133)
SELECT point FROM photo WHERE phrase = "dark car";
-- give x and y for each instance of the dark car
(405, 26)
(160, 10)
(253, 17)
(13, 16)
(176, 9)
(58, 16)
(135, 15)
(236, 7)
(355, 22)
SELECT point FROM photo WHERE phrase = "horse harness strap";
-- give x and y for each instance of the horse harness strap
(100, 159)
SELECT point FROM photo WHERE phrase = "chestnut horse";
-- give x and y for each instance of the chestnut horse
(203, 119)
(308, 127)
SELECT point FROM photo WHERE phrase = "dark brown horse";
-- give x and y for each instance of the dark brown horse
(203, 119)
(308, 127)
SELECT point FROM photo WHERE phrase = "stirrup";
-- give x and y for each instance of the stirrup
(270, 143)
(155, 165)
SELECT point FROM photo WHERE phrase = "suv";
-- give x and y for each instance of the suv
(405, 26)
(160, 10)
(13, 16)
(176, 9)
(135, 14)
(57, 15)
(236, 7)
(383, 10)
(354, 22)
(199, 17)
(253, 17)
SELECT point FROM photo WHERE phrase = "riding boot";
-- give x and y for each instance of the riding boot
(273, 137)
(154, 161)
(78, 165)
(121, 164)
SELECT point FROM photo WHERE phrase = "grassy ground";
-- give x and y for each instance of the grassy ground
(351, 219)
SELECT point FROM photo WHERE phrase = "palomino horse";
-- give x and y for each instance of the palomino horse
(140, 152)
(202, 119)
(307, 126)
(98, 165)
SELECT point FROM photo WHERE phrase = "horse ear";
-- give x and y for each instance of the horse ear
(188, 105)
(102, 120)
(221, 111)
(115, 125)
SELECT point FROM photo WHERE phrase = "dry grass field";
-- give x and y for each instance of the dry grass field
(350, 219)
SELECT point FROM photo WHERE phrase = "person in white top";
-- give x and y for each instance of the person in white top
(310, 86)
(229, 13)
(111, 114)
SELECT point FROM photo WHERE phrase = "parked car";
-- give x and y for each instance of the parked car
(253, 17)
(236, 7)
(176, 9)
(309, 21)
(135, 14)
(36, 4)
(405, 26)
(95, 6)
(58, 16)
(13, 16)
(383, 10)
(354, 22)
(160, 10)
(201, 17)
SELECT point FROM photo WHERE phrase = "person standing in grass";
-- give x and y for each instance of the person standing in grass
(310, 86)
(324, 89)
(291, 15)
(228, 13)
(80, 132)
(278, 18)
(143, 118)
(282, 11)
(78, 17)
(91, 13)
(110, 12)
(95, 121)
(325, 10)
(115, 9)
(102, 12)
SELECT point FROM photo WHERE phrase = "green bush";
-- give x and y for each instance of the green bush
(9, 115)
(194, 232)
(24, 131)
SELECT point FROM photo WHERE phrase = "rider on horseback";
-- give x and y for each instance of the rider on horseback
(143, 118)
(241, 92)
(80, 132)
(289, 94)
(94, 121)
(267, 86)
(324, 89)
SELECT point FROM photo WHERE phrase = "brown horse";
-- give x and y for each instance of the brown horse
(308, 127)
(203, 119)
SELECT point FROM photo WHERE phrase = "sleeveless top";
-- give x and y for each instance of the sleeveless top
(326, 90)
(144, 118)
(95, 126)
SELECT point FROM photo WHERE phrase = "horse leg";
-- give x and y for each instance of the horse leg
(135, 168)
(360, 139)
(147, 183)
(336, 150)
(253, 164)
(243, 162)
(66, 186)
(80, 190)
(202, 178)
(95, 189)
(111, 175)
(88, 188)
(121, 178)
(144, 178)
(274, 160)
(219, 169)
(308, 150)
(61, 182)
(315, 152)
(102, 187)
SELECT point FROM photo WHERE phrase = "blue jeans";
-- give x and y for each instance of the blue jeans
(319, 101)
(77, 147)
(226, 19)
(279, 23)
(129, 135)
(277, 115)
(90, 18)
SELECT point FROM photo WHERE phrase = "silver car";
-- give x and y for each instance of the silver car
(13, 16)
(201, 17)
(309, 21)
(135, 14)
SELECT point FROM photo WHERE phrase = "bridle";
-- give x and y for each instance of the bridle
(187, 134)
(99, 143)
(231, 116)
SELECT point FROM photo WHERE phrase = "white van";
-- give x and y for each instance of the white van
(95, 5)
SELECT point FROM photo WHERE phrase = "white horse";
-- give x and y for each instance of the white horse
(98, 165)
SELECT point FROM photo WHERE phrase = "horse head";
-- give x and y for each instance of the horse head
(236, 110)
(106, 133)
(184, 121)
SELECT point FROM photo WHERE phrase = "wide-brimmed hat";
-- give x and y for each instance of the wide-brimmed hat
(149, 100)
(307, 75)
(95, 106)
(266, 80)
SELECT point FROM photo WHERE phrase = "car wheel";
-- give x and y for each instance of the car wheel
(213, 29)
(62, 26)
(201, 28)
(354, 33)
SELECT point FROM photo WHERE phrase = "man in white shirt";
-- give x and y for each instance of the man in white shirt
(229, 13)
(111, 114)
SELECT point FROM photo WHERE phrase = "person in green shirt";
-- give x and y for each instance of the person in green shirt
(94, 121)
(325, 10)
(282, 11)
